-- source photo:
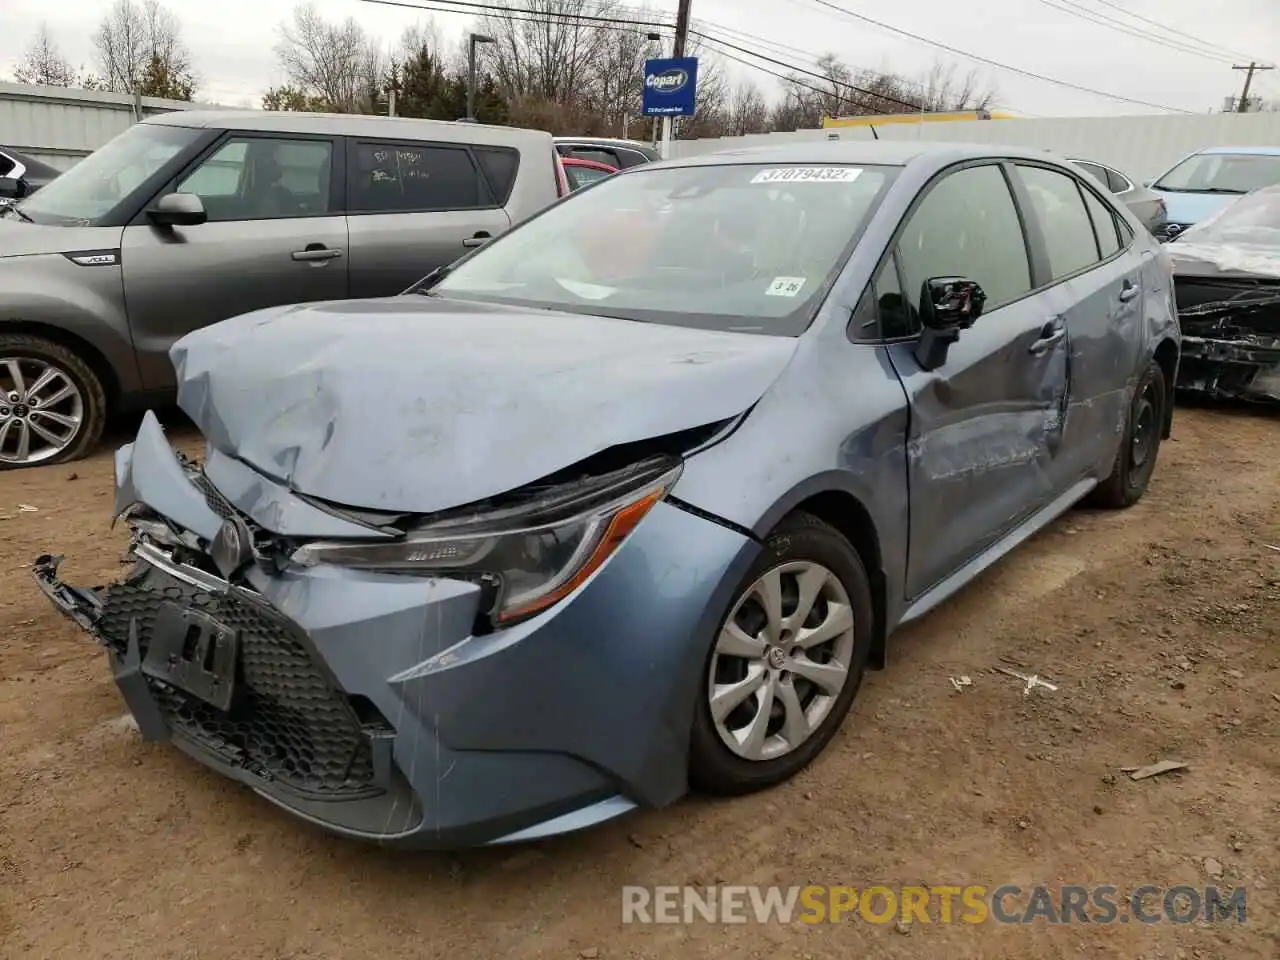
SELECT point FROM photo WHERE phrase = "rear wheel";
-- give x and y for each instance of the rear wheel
(787, 661)
(1136, 459)
(52, 405)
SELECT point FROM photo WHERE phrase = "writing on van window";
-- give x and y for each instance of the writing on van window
(392, 178)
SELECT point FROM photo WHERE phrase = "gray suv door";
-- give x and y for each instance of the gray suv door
(275, 234)
(448, 198)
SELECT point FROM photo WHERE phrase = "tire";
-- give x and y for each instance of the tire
(84, 401)
(1136, 458)
(801, 544)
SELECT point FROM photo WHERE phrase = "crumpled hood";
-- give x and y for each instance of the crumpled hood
(21, 239)
(1193, 259)
(419, 404)
(1194, 207)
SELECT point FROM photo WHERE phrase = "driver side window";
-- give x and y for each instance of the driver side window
(967, 226)
(257, 178)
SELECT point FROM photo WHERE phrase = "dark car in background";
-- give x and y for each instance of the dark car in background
(618, 154)
(1227, 280)
(21, 176)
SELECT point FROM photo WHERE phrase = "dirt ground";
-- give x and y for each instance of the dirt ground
(1158, 625)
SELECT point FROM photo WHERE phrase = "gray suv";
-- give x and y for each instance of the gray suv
(190, 218)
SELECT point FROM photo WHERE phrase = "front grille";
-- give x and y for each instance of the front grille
(216, 501)
(287, 723)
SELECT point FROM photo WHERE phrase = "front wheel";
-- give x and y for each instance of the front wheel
(52, 405)
(786, 663)
(1136, 459)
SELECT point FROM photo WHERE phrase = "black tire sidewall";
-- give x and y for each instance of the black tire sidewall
(713, 767)
(1135, 483)
(26, 346)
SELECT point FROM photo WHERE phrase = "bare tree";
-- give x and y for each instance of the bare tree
(43, 63)
(337, 64)
(139, 41)
(746, 111)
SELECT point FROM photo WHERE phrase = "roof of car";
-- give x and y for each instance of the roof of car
(347, 124)
(616, 141)
(886, 152)
(1268, 151)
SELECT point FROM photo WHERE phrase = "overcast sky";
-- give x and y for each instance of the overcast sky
(231, 42)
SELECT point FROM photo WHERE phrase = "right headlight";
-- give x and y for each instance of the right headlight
(531, 555)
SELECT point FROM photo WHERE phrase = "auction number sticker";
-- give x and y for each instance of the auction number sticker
(808, 175)
(785, 286)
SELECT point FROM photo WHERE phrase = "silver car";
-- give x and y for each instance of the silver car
(190, 218)
(1147, 205)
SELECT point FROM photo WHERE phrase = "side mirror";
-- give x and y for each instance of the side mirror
(947, 306)
(178, 210)
(13, 188)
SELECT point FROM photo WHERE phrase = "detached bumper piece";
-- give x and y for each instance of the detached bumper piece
(235, 684)
(1230, 345)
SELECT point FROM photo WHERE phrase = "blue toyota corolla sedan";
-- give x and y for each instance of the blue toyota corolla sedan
(628, 500)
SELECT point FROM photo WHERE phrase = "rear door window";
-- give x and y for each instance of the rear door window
(1104, 225)
(1064, 221)
(407, 178)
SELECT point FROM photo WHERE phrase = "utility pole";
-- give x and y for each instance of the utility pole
(1250, 70)
(682, 39)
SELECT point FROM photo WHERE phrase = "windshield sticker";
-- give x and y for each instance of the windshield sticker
(785, 286)
(808, 175)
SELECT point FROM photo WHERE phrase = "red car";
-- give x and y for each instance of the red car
(581, 173)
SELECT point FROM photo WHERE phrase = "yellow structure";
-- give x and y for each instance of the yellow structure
(879, 119)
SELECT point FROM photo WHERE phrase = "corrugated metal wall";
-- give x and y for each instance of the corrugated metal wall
(59, 126)
(1142, 147)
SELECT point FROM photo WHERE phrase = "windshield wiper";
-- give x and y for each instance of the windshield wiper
(1197, 189)
(14, 208)
(423, 286)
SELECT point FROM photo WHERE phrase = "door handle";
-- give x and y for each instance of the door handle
(1051, 333)
(1128, 291)
(479, 240)
(313, 252)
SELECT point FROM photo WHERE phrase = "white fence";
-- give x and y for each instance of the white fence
(1140, 146)
(59, 126)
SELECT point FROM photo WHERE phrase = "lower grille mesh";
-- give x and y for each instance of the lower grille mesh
(287, 723)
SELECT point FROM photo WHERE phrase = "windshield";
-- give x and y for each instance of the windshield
(101, 181)
(1254, 219)
(744, 247)
(1222, 173)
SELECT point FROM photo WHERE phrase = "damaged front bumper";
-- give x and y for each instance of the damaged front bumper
(1231, 348)
(366, 702)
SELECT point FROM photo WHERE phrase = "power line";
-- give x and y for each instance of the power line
(536, 16)
(995, 63)
(1119, 26)
(792, 80)
(1156, 23)
(810, 73)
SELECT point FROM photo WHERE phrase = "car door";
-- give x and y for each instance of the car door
(985, 427)
(1097, 287)
(275, 234)
(415, 206)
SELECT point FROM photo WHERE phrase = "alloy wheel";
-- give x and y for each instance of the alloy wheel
(781, 659)
(41, 410)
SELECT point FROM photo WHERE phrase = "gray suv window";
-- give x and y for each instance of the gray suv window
(967, 226)
(257, 178)
(1068, 231)
(404, 178)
